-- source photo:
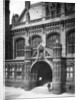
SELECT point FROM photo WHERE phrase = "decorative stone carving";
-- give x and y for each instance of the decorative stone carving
(57, 84)
(53, 29)
(69, 26)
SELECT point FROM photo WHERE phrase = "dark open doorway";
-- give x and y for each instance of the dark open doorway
(43, 73)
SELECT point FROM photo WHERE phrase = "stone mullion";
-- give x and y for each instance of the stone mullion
(62, 10)
(22, 72)
(20, 67)
(13, 48)
(12, 71)
(74, 72)
(8, 72)
(43, 12)
(26, 38)
(15, 71)
(25, 71)
(55, 10)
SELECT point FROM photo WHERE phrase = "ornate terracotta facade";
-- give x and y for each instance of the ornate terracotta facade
(41, 50)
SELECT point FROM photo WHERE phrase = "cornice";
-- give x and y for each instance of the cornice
(60, 22)
(36, 4)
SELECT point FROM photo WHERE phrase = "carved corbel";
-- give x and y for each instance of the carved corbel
(63, 24)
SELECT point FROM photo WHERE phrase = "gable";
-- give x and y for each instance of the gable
(34, 12)
(23, 19)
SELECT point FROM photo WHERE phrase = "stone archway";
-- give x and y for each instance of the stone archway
(43, 72)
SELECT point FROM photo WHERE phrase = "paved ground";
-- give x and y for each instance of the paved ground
(12, 93)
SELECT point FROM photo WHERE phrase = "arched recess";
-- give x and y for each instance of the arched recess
(70, 41)
(53, 9)
(35, 40)
(43, 72)
(51, 39)
(19, 47)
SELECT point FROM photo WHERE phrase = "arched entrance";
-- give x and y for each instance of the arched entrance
(43, 72)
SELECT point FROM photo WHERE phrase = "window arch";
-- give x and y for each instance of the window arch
(51, 39)
(19, 45)
(35, 41)
(70, 38)
(53, 9)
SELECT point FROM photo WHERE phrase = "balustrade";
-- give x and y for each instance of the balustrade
(14, 69)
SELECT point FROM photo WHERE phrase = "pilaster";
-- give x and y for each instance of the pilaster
(27, 67)
(62, 10)
(43, 12)
(57, 84)
(43, 36)
(63, 38)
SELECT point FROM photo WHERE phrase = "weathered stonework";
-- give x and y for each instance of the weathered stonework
(28, 71)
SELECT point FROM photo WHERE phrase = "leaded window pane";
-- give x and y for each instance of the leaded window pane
(51, 39)
(20, 43)
(35, 41)
(68, 75)
(6, 74)
(71, 69)
(53, 9)
(68, 69)
(71, 75)
(12, 69)
(12, 74)
(71, 42)
(6, 69)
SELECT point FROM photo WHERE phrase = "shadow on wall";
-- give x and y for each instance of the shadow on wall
(63, 74)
